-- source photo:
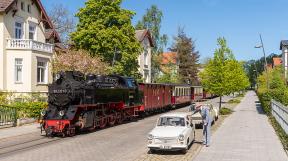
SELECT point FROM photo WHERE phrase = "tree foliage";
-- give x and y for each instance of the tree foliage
(78, 61)
(254, 68)
(62, 20)
(169, 75)
(187, 57)
(105, 30)
(223, 74)
(152, 21)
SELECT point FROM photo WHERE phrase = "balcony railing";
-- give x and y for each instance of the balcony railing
(29, 45)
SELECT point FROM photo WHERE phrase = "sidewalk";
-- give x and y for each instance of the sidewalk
(21, 130)
(246, 135)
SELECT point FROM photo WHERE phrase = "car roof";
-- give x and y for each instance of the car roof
(175, 114)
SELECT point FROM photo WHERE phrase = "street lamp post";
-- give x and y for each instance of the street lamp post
(265, 66)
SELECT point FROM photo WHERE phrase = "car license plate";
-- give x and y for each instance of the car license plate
(166, 147)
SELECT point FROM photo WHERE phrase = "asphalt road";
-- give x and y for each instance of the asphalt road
(123, 142)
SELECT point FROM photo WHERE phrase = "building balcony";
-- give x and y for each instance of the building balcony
(28, 44)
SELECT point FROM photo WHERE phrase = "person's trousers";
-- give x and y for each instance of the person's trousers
(206, 134)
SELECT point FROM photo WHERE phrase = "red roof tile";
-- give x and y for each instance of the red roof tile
(277, 61)
(169, 57)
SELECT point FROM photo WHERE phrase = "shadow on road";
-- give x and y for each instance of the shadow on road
(178, 152)
(259, 108)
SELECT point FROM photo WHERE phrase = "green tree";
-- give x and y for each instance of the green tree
(213, 76)
(187, 57)
(169, 74)
(235, 75)
(152, 21)
(105, 29)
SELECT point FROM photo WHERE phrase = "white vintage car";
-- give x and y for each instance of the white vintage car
(173, 131)
(197, 118)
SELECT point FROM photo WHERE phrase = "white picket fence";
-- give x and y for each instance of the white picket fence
(280, 112)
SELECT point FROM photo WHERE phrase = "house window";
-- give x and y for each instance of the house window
(18, 30)
(22, 6)
(18, 70)
(32, 31)
(29, 8)
(41, 71)
(145, 57)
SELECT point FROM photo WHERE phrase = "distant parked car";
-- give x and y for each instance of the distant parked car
(173, 131)
(197, 118)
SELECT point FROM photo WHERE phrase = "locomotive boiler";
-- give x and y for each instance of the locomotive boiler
(77, 102)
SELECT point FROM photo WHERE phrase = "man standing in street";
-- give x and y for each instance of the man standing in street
(206, 125)
(206, 121)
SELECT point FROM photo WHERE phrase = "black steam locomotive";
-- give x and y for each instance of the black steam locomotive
(78, 101)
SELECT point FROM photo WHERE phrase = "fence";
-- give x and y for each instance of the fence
(8, 116)
(280, 112)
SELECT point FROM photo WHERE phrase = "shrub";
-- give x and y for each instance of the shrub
(234, 101)
(29, 109)
(225, 111)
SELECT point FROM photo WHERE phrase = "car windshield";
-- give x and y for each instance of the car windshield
(171, 121)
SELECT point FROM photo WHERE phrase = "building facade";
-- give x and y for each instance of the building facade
(284, 48)
(144, 59)
(26, 46)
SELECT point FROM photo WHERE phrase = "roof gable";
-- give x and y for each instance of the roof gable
(141, 34)
(6, 6)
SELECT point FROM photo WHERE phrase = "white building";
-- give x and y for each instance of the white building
(144, 60)
(284, 48)
(25, 55)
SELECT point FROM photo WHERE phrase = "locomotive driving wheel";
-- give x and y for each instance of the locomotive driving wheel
(119, 118)
(103, 122)
(112, 119)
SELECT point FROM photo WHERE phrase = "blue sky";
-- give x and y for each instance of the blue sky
(240, 22)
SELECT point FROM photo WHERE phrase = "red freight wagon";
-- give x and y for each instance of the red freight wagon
(156, 96)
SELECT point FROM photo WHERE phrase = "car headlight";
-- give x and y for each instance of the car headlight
(150, 137)
(181, 137)
(61, 113)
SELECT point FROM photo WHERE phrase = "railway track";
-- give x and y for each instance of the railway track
(25, 142)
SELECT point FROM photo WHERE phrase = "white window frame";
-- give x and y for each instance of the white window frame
(19, 20)
(18, 78)
(31, 24)
(17, 29)
(45, 67)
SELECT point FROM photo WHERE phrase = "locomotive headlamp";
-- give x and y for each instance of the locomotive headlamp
(150, 137)
(61, 113)
(57, 76)
(181, 137)
(43, 112)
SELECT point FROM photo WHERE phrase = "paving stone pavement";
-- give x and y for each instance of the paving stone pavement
(246, 135)
(16, 131)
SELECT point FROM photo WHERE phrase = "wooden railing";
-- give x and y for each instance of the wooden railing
(29, 44)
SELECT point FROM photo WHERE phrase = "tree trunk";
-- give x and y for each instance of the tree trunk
(220, 102)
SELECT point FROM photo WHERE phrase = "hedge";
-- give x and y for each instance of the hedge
(29, 109)
(265, 99)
